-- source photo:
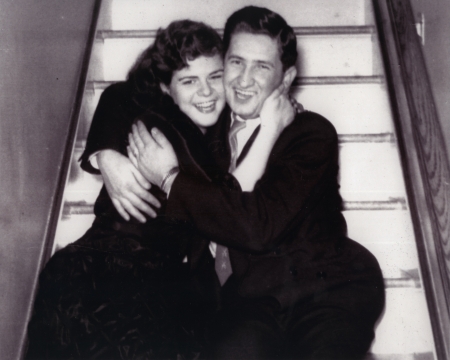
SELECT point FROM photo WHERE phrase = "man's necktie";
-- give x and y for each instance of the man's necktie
(222, 263)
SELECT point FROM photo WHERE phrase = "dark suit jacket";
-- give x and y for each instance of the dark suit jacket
(287, 237)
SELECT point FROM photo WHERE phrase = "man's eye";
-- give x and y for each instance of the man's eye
(264, 67)
(217, 77)
(235, 62)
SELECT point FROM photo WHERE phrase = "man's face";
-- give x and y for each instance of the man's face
(253, 69)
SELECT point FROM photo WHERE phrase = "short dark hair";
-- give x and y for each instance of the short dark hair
(181, 41)
(257, 20)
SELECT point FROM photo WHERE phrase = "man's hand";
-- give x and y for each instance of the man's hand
(152, 154)
(277, 111)
(126, 186)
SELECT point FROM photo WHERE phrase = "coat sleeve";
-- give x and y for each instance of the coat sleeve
(110, 125)
(303, 163)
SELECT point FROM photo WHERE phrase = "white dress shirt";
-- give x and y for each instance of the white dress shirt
(242, 137)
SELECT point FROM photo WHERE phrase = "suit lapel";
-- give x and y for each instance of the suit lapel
(248, 145)
(218, 142)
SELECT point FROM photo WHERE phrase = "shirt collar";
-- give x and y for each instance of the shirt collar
(255, 121)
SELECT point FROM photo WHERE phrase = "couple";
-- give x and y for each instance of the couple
(148, 288)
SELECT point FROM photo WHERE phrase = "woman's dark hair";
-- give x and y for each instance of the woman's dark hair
(181, 41)
(258, 20)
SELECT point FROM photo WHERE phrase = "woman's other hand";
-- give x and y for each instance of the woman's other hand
(126, 186)
(152, 154)
(277, 112)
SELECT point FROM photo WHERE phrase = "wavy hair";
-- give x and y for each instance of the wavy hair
(174, 46)
(258, 20)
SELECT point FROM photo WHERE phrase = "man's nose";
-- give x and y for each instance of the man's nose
(205, 88)
(245, 77)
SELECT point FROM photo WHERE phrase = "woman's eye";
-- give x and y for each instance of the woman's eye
(187, 82)
(264, 67)
(217, 77)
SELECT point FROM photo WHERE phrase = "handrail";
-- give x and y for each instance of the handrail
(424, 157)
(71, 137)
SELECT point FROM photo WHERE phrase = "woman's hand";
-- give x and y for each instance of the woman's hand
(277, 112)
(152, 154)
(126, 186)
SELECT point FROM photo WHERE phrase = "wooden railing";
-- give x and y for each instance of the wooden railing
(424, 157)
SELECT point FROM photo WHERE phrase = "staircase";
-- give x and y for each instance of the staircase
(341, 77)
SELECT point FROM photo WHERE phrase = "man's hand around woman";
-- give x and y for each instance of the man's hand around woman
(126, 186)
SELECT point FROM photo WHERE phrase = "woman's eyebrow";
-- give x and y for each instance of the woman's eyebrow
(192, 77)
(216, 71)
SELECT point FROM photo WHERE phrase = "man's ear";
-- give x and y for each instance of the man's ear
(164, 88)
(289, 76)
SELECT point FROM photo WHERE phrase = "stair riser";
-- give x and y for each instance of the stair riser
(353, 109)
(141, 14)
(370, 171)
(351, 54)
(405, 325)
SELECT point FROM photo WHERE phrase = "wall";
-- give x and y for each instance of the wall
(42, 43)
(437, 55)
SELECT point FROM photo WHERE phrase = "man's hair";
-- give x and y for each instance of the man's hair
(257, 20)
(174, 46)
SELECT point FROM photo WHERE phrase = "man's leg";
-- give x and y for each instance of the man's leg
(245, 329)
(328, 333)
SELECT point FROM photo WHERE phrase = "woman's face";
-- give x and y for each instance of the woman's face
(198, 90)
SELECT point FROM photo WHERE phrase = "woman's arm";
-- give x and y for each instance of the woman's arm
(276, 114)
(107, 140)
(126, 186)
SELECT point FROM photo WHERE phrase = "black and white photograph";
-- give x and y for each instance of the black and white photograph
(225, 179)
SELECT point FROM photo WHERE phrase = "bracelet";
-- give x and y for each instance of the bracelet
(175, 170)
(297, 106)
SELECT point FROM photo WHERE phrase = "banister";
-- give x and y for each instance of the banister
(423, 155)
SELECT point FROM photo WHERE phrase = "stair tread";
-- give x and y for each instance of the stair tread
(299, 31)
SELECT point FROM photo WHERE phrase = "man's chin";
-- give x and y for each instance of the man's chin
(244, 112)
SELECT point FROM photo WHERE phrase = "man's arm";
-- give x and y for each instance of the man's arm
(302, 165)
(294, 180)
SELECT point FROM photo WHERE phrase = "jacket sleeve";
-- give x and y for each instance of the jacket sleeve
(302, 164)
(110, 125)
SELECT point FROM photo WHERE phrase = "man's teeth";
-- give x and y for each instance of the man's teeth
(242, 94)
(206, 106)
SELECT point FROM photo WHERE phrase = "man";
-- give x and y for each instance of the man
(299, 287)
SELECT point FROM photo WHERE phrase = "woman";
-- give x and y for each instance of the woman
(125, 290)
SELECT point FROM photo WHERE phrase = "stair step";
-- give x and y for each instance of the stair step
(299, 31)
(413, 356)
(84, 208)
(315, 50)
(355, 105)
(299, 81)
(389, 235)
(370, 171)
(404, 328)
(138, 14)
(78, 217)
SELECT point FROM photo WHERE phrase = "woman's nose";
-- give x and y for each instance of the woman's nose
(205, 88)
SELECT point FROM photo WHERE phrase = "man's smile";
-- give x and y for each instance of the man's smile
(244, 94)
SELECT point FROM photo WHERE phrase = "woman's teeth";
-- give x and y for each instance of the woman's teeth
(206, 107)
